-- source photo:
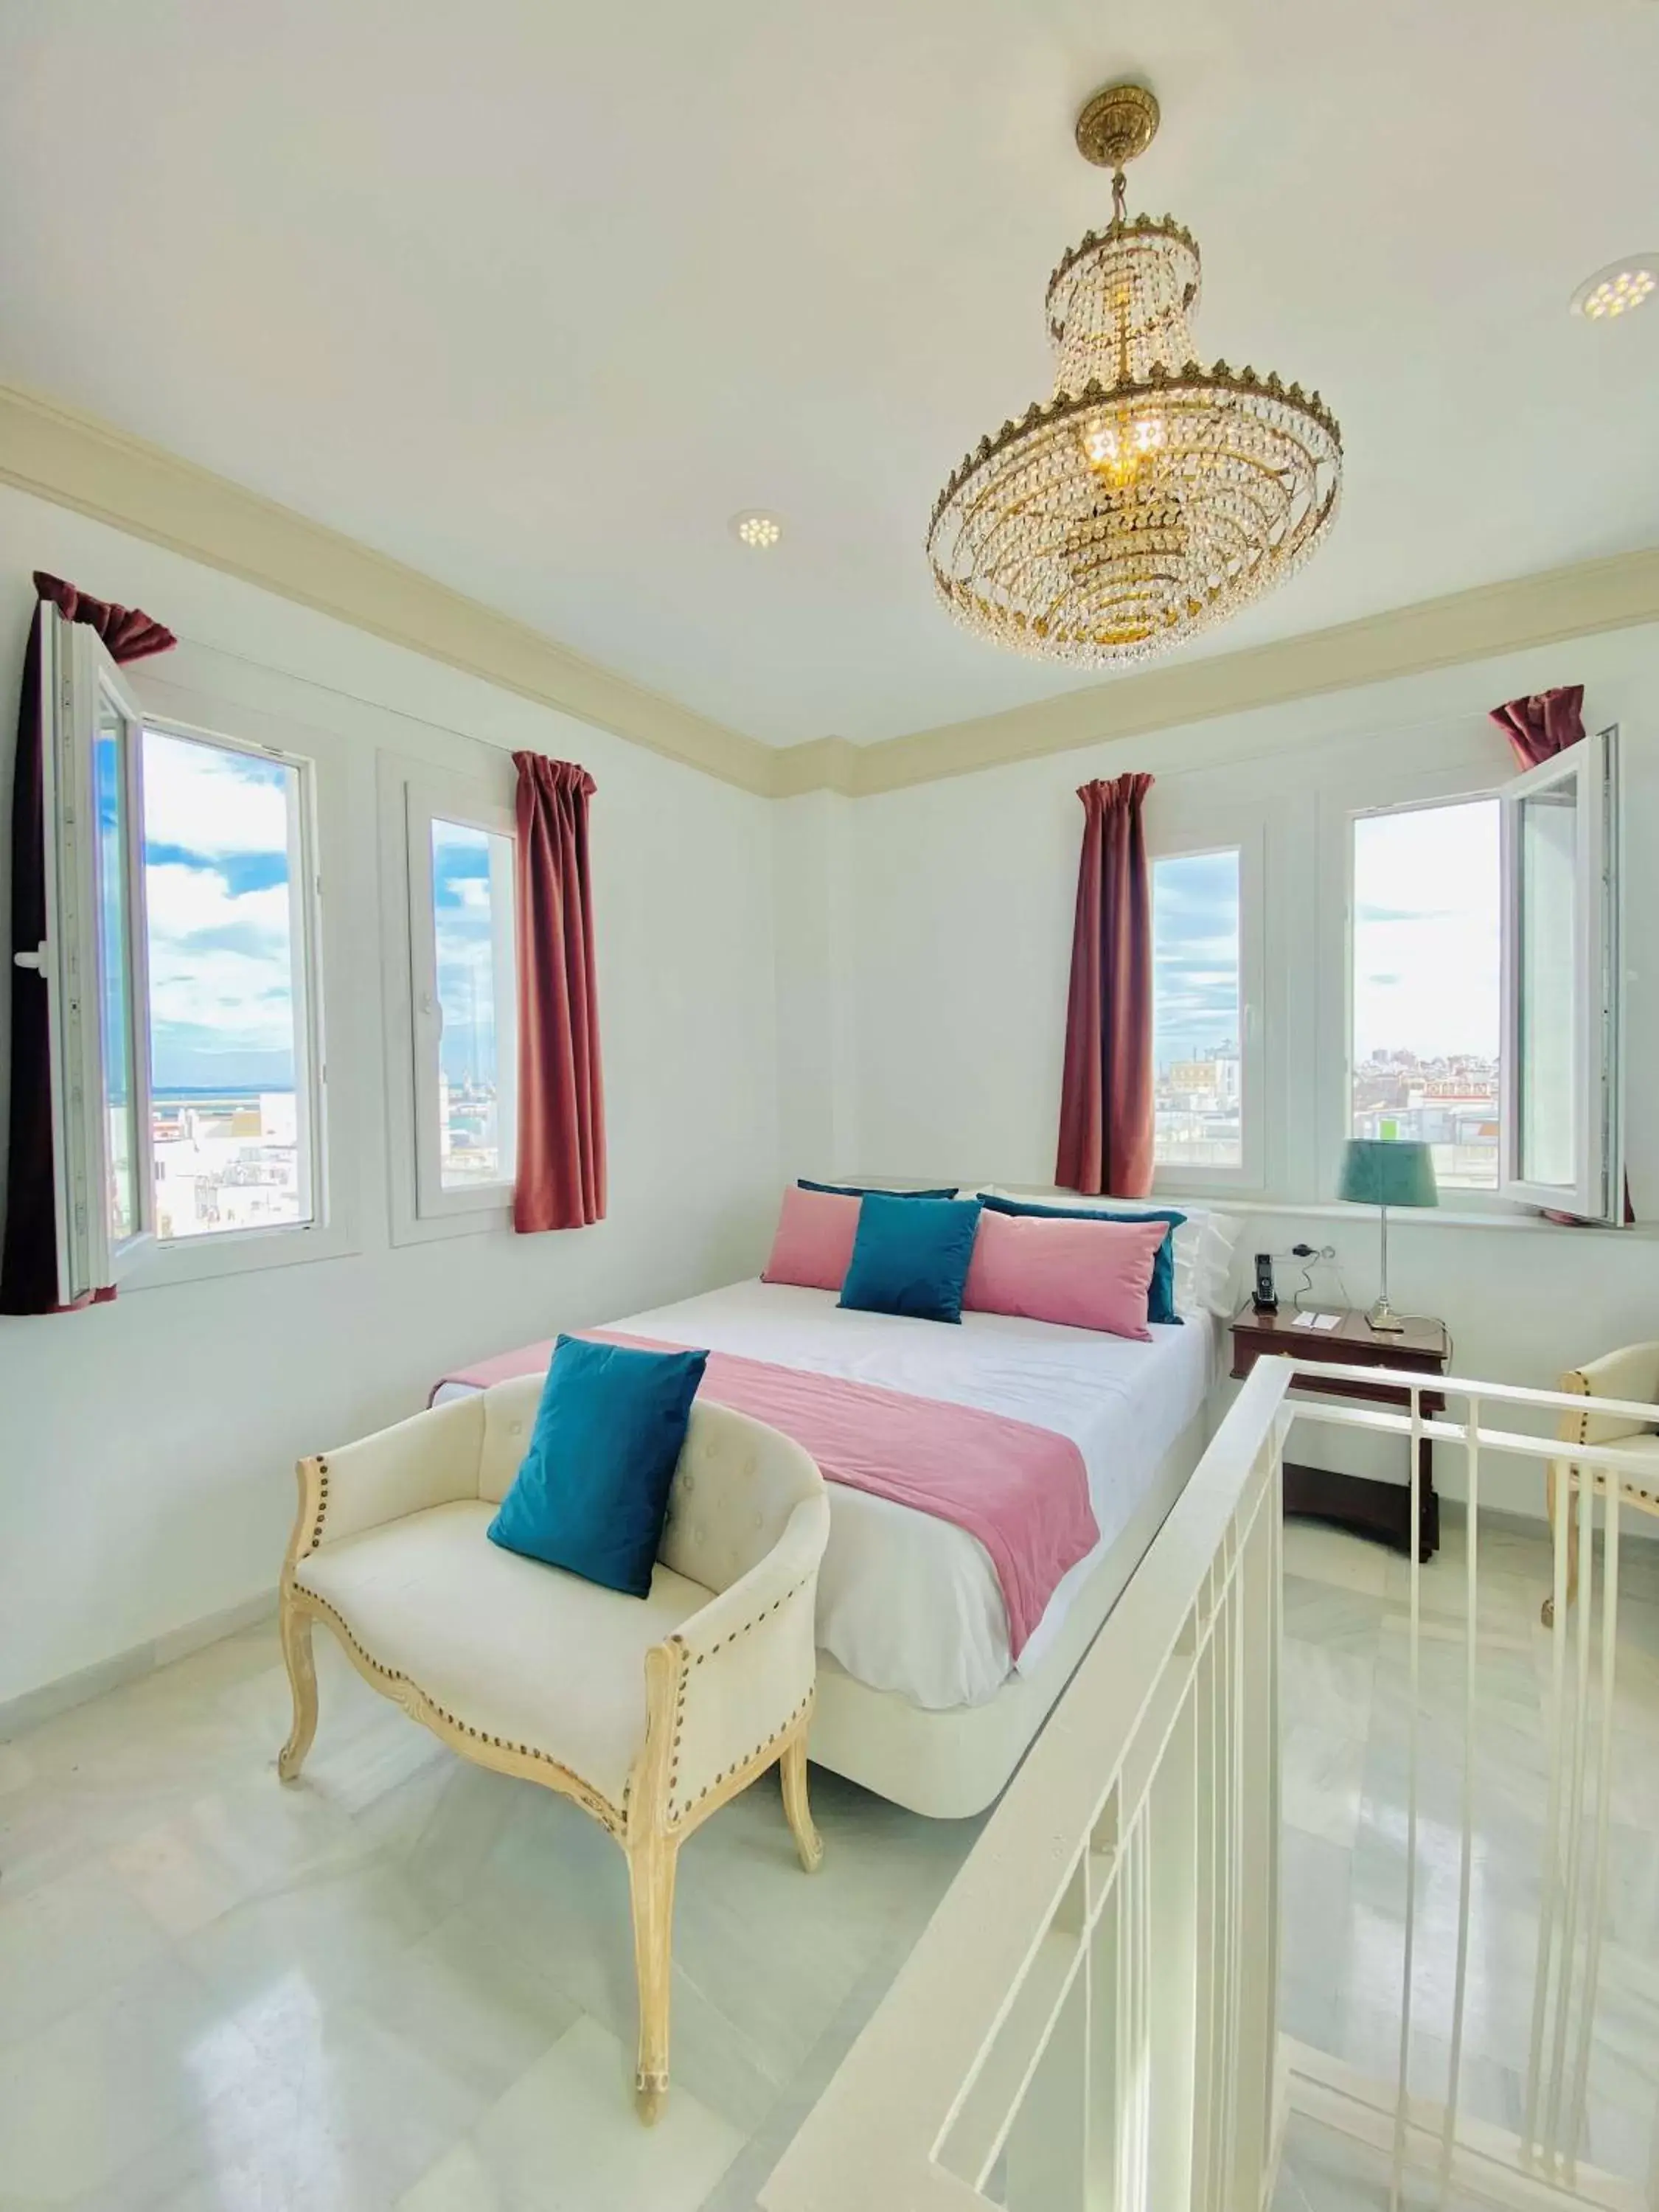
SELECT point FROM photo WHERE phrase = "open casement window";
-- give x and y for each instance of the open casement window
(1562, 1138)
(462, 984)
(93, 960)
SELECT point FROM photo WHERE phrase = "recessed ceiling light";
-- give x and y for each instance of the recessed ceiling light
(1617, 288)
(757, 529)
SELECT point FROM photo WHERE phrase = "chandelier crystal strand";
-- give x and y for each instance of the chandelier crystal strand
(1150, 497)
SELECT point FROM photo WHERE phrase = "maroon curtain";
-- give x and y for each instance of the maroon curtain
(1106, 1089)
(561, 1174)
(28, 1270)
(1547, 724)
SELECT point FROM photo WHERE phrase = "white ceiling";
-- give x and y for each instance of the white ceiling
(533, 297)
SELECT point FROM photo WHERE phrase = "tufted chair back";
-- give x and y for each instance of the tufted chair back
(734, 1489)
(509, 1416)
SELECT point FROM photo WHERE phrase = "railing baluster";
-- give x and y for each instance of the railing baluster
(1603, 1807)
(1574, 1816)
(1413, 1523)
(1550, 1874)
(1466, 1856)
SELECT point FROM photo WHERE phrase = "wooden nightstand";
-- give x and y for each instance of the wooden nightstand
(1353, 1501)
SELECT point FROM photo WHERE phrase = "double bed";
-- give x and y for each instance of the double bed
(923, 1694)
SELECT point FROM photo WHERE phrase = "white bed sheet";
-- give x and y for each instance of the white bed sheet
(910, 1603)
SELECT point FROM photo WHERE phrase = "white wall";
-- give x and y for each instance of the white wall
(962, 894)
(147, 1447)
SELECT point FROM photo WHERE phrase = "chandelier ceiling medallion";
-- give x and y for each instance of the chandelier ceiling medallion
(1151, 497)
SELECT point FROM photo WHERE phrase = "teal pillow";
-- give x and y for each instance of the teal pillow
(856, 1190)
(1160, 1294)
(911, 1256)
(593, 1494)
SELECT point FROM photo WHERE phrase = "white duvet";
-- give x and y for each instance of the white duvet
(910, 1603)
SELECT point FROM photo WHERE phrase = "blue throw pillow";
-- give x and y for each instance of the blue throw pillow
(855, 1190)
(911, 1256)
(592, 1494)
(1160, 1295)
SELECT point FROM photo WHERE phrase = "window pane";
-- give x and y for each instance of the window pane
(114, 971)
(1427, 944)
(1548, 984)
(226, 990)
(472, 929)
(1195, 1011)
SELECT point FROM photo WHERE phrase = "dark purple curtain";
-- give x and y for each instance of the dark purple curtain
(1544, 725)
(28, 1270)
(560, 1180)
(1106, 1113)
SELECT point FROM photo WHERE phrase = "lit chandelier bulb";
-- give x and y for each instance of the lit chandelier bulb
(1119, 446)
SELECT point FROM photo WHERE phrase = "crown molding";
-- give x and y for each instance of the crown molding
(1620, 593)
(821, 764)
(76, 461)
(72, 459)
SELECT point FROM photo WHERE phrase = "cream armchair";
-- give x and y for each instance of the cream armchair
(1634, 1376)
(650, 1713)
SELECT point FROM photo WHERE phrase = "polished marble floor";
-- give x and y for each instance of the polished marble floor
(407, 1983)
(1347, 1702)
(402, 1982)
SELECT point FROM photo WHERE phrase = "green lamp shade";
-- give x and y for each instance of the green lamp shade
(1388, 1171)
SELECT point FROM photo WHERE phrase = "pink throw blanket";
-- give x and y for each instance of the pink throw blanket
(1021, 1490)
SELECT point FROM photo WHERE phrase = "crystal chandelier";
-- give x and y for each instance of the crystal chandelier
(1151, 497)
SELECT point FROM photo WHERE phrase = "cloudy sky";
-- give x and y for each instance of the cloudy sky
(1195, 937)
(461, 899)
(220, 925)
(1427, 941)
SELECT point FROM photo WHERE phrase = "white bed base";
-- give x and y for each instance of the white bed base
(952, 1764)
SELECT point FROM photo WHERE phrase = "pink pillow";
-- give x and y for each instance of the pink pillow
(814, 1243)
(1084, 1274)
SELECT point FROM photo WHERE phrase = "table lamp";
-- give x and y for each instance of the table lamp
(1384, 1172)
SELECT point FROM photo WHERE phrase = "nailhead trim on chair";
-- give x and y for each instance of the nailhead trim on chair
(322, 1506)
(1599, 1475)
(769, 1744)
(609, 1815)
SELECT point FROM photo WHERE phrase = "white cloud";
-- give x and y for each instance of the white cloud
(208, 800)
(240, 983)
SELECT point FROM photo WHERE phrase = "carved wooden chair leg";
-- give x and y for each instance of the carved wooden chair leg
(295, 1627)
(792, 1767)
(651, 1887)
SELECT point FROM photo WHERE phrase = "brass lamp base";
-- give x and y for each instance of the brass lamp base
(1384, 1319)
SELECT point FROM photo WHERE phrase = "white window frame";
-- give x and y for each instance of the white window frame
(76, 670)
(1596, 1190)
(319, 831)
(1246, 838)
(1414, 794)
(309, 1072)
(412, 795)
(77, 673)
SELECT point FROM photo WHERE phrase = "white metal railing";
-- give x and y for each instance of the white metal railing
(1089, 2019)
(1544, 2160)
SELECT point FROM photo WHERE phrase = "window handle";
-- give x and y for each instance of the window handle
(37, 959)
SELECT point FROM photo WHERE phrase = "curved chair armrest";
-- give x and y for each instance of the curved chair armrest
(1630, 1373)
(744, 1668)
(431, 1459)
